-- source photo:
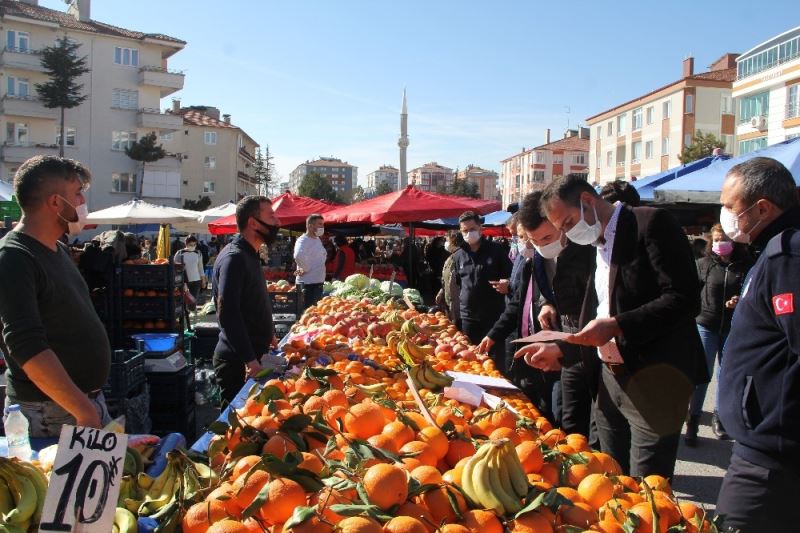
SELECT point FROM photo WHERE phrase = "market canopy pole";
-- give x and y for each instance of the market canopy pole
(163, 245)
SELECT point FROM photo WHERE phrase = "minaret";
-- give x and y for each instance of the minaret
(403, 144)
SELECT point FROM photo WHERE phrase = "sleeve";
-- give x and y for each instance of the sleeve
(200, 270)
(23, 332)
(505, 263)
(783, 301)
(672, 261)
(178, 259)
(229, 302)
(508, 321)
(301, 254)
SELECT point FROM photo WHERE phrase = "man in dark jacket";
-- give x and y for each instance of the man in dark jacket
(639, 311)
(760, 376)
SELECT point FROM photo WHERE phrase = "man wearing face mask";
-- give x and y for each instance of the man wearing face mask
(193, 269)
(310, 256)
(243, 307)
(638, 310)
(480, 264)
(760, 372)
(56, 348)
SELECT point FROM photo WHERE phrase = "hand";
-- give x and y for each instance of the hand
(88, 417)
(500, 286)
(596, 333)
(299, 272)
(545, 356)
(731, 304)
(440, 299)
(485, 345)
(548, 317)
(252, 368)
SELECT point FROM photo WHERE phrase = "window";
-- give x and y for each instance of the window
(166, 137)
(17, 133)
(18, 40)
(726, 105)
(240, 142)
(621, 156)
(126, 56)
(687, 139)
(665, 146)
(122, 139)
(621, 125)
(751, 145)
(648, 150)
(666, 109)
(538, 176)
(649, 114)
(793, 101)
(599, 131)
(18, 87)
(579, 159)
(208, 187)
(636, 152)
(69, 134)
(597, 160)
(123, 182)
(689, 104)
(540, 157)
(211, 161)
(609, 158)
(636, 123)
(610, 129)
(125, 99)
(756, 105)
(210, 137)
(558, 159)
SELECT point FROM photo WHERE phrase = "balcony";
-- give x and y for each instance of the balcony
(246, 177)
(19, 153)
(167, 80)
(247, 155)
(156, 120)
(26, 106)
(21, 59)
(792, 110)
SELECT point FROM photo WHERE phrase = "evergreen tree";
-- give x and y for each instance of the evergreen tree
(147, 151)
(314, 185)
(358, 194)
(62, 91)
(264, 170)
(464, 188)
(383, 188)
(703, 145)
(201, 204)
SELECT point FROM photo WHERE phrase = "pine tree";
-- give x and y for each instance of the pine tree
(314, 185)
(62, 64)
(264, 170)
(703, 145)
(147, 151)
(383, 188)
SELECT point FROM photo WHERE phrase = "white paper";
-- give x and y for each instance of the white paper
(493, 401)
(545, 335)
(483, 381)
(464, 392)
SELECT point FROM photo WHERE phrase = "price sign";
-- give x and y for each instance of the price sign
(84, 484)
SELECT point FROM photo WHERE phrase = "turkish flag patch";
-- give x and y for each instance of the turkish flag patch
(783, 304)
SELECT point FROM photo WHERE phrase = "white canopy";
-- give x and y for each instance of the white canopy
(199, 224)
(6, 191)
(139, 212)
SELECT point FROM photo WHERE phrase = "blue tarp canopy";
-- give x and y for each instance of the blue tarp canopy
(646, 186)
(497, 218)
(703, 186)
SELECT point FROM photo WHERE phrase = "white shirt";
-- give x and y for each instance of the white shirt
(192, 262)
(310, 256)
(608, 353)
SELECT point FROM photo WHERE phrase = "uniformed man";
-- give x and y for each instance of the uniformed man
(760, 376)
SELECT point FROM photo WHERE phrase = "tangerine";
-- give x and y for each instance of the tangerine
(386, 485)
(283, 497)
(364, 420)
(482, 521)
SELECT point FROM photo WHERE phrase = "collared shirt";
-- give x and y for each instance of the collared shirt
(310, 255)
(604, 251)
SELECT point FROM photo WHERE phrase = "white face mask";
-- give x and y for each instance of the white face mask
(526, 251)
(471, 237)
(730, 224)
(583, 233)
(320, 231)
(550, 251)
(75, 227)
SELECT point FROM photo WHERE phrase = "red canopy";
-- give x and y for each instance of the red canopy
(408, 205)
(289, 208)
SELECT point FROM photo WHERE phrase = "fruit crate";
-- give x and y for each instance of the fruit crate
(171, 390)
(285, 302)
(150, 276)
(127, 373)
(135, 406)
(183, 421)
(145, 307)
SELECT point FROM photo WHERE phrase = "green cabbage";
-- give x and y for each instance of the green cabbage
(359, 281)
(393, 289)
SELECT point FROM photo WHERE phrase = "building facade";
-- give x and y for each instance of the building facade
(340, 174)
(532, 169)
(767, 93)
(385, 174)
(431, 177)
(645, 136)
(128, 77)
(486, 180)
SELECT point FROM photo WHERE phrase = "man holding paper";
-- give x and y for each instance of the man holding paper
(639, 311)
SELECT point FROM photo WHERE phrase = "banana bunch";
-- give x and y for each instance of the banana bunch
(412, 353)
(392, 317)
(494, 478)
(124, 522)
(393, 339)
(22, 491)
(409, 328)
(425, 377)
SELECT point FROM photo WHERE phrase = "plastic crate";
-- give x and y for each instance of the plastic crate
(136, 408)
(183, 421)
(202, 348)
(285, 302)
(145, 307)
(282, 327)
(171, 390)
(127, 373)
(152, 276)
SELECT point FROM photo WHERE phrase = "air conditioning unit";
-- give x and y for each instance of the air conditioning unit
(759, 123)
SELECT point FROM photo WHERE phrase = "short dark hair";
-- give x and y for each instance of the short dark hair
(568, 189)
(191, 238)
(620, 190)
(513, 221)
(767, 178)
(530, 211)
(35, 178)
(312, 217)
(466, 216)
(455, 239)
(340, 240)
(247, 208)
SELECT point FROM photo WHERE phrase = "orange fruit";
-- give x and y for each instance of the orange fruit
(579, 514)
(530, 455)
(228, 526)
(311, 525)
(335, 397)
(327, 497)
(311, 462)
(398, 432)
(454, 528)
(608, 526)
(404, 524)
(533, 522)
(384, 442)
(482, 521)
(438, 503)
(417, 511)
(359, 524)
(608, 464)
(306, 385)
(225, 490)
(549, 473)
(656, 482)
(314, 404)
(436, 439)
(596, 490)
(244, 464)
(364, 420)
(614, 510)
(386, 485)
(689, 510)
(645, 513)
(504, 418)
(667, 509)
(505, 433)
(578, 442)
(627, 483)
(427, 474)
(570, 494)
(283, 497)
(279, 445)
(201, 516)
(247, 488)
(459, 449)
(335, 416)
(421, 451)
(417, 418)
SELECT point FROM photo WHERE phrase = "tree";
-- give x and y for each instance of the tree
(703, 145)
(201, 204)
(62, 64)
(383, 188)
(464, 188)
(358, 194)
(314, 185)
(264, 170)
(147, 151)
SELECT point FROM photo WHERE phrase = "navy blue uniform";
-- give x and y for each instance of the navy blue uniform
(760, 387)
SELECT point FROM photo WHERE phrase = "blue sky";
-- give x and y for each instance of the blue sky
(484, 78)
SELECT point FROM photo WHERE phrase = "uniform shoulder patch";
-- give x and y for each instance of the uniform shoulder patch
(783, 304)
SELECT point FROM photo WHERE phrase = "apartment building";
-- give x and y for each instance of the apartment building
(129, 75)
(342, 175)
(532, 169)
(644, 136)
(385, 174)
(767, 93)
(216, 157)
(486, 180)
(431, 177)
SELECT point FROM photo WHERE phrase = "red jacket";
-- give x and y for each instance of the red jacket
(345, 263)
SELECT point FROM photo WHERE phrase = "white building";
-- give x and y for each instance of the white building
(385, 174)
(767, 93)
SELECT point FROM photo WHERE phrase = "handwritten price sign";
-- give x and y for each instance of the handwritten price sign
(84, 484)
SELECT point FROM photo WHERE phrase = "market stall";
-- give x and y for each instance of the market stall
(289, 208)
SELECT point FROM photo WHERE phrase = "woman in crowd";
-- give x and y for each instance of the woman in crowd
(721, 272)
(448, 295)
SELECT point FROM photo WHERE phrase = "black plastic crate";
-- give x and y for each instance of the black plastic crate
(127, 373)
(151, 276)
(285, 302)
(183, 421)
(202, 348)
(145, 307)
(171, 390)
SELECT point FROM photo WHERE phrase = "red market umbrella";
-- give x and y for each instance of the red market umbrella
(408, 206)
(289, 208)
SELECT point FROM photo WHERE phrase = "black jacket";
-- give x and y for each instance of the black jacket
(759, 383)
(719, 282)
(479, 301)
(654, 295)
(574, 266)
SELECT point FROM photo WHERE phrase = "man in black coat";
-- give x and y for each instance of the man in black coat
(639, 311)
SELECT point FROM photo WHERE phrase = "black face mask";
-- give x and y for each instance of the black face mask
(270, 235)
